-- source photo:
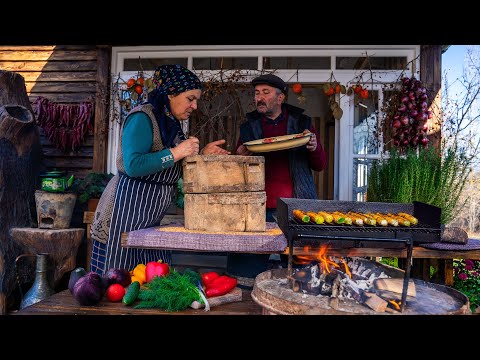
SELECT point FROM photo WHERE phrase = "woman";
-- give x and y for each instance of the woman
(151, 146)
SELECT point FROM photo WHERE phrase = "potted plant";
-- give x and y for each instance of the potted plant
(90, 188)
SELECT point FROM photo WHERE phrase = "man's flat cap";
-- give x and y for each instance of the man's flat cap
(271, 80)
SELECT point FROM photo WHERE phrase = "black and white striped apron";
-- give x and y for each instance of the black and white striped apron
(139, 203)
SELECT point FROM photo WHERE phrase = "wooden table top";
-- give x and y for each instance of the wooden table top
(63, 303)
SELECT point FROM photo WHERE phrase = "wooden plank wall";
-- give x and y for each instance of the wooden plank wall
(63, 74)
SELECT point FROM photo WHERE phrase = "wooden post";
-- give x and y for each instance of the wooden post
(102, 98)
(431, 76)
(20, 158)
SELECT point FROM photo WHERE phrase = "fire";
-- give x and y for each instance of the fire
(395, 304)
(325, 264)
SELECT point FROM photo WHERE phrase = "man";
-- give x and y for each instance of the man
(288, 173)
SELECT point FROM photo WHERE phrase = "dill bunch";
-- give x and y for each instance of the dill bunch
(173, 292)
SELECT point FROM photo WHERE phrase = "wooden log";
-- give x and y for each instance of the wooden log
(452, 234)
(20, 160)
(61, 245)
(375, 302)
(394, 285)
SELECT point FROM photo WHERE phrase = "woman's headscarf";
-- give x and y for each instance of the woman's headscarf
(170, 80)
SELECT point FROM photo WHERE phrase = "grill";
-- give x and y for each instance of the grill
(349, 236)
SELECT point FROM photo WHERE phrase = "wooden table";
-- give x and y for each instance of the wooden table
(63, 303)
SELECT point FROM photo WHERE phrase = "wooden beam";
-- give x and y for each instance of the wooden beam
(48, 55)
(431, 76)
(47, 66)
(58, 76)
(62, 97)
(61, 87)
(418, 252)
(102, 98)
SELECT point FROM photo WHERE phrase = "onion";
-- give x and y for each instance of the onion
(396, 124)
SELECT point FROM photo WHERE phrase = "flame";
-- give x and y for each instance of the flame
(347, 269)
(395, 304)
(325, 264)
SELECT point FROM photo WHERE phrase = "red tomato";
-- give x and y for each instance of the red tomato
(115, 293)
(297, 88)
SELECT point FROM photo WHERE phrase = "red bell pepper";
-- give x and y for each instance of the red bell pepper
(155, 268)
(208, 277)
(221, 286)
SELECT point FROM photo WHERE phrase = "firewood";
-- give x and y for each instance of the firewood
(375, 302)
(394, 285)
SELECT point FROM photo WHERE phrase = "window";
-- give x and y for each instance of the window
(313, 62)
(373, 62)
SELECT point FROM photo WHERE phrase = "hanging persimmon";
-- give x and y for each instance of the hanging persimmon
(131, 82)
(297, 88)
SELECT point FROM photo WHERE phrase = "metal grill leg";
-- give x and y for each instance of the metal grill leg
(406, 278)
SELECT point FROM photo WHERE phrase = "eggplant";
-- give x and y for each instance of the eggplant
(75, 275)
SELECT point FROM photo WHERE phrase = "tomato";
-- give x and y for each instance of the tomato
(138, 89)
(130, 82)
(115, 293)
(297, 88)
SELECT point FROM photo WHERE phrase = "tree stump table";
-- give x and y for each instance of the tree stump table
(60, 244)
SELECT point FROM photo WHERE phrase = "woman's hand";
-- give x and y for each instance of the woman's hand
(186, 148)
(214, 148)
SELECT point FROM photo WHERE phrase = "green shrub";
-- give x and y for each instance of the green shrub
(426, 176)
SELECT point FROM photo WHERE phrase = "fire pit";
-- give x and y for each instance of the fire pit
(353, 297)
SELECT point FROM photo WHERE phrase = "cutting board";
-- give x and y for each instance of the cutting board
(233, 296)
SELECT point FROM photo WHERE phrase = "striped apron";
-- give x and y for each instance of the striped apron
(140, 202)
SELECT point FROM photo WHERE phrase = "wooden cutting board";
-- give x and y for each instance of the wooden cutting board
(233, 296)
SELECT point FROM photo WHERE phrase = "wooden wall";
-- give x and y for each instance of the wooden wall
(63, 74)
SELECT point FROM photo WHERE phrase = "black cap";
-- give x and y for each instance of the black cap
(271, 80)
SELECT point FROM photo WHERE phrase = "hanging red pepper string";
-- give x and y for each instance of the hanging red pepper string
(65, 125)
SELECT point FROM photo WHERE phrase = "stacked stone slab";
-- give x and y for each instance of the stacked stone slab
(224, 193)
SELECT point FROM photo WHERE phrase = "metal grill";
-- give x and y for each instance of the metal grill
(351, 236)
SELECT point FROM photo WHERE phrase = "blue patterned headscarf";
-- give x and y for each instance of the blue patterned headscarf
(174, 79)
(168, 80)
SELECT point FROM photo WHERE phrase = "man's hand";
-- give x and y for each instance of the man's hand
(214, 148)
(242, 150)
(312, 143)
(187, 147)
